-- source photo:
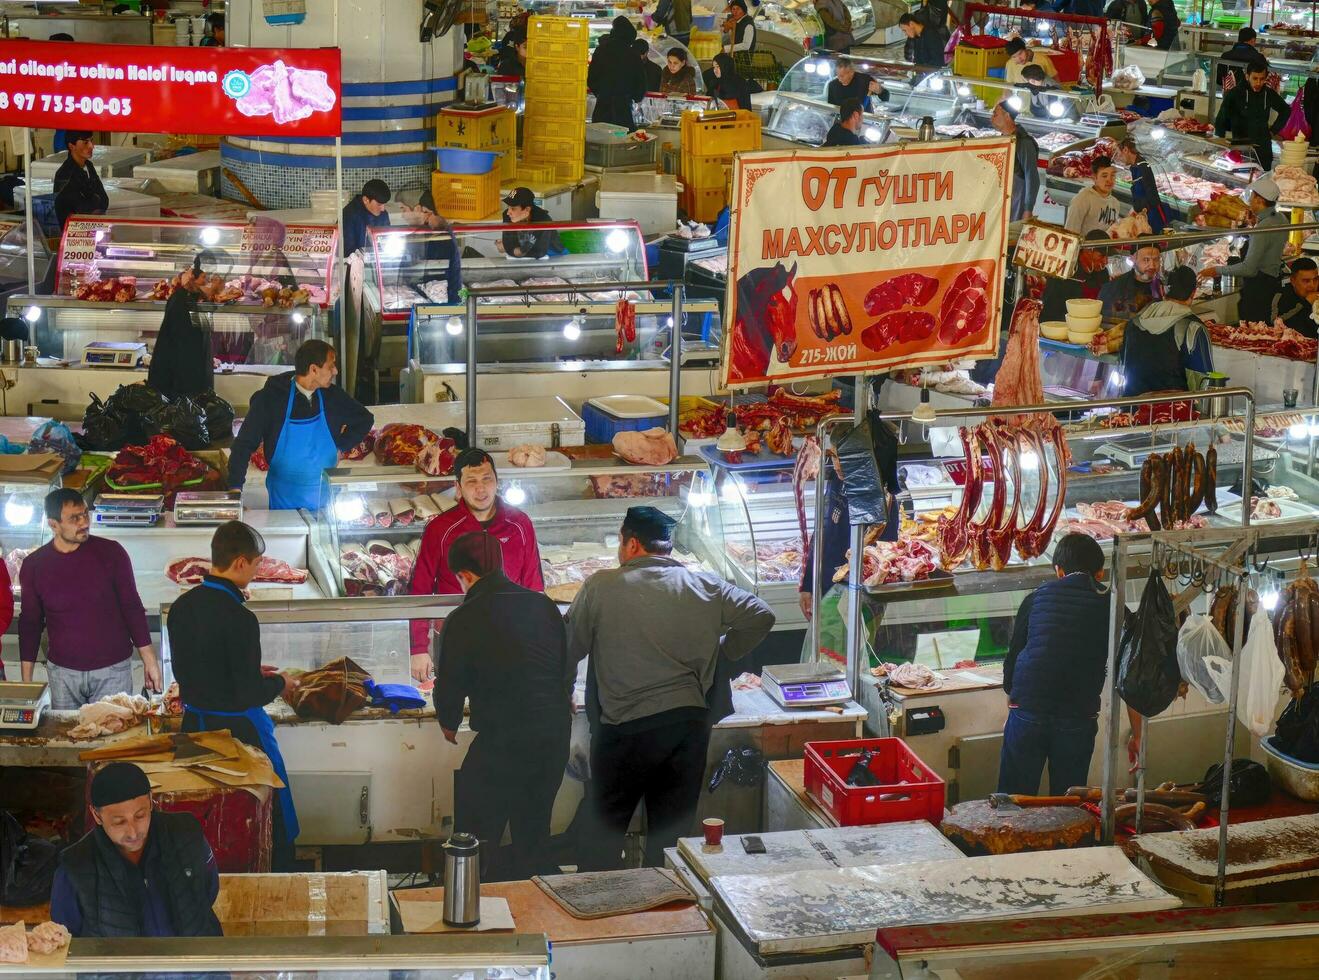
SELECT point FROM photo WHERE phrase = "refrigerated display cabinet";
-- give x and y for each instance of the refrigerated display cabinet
(13, 255)
(576, 507)
(23, 525)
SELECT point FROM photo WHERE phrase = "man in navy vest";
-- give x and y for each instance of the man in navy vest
(1054, 673)
(139, 872)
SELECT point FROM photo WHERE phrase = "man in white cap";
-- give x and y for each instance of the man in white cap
(1261, 270)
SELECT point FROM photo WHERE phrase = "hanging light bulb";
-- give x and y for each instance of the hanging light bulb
(210, 236)
(1015, 103)
(32, 314)
(349, 509)
(1269, 599)
(453, 326)
(18, 512)
(1298, 431)
(936, 84)
(809, 67)
(298, 318)
(871, 134)
(1057, 109)
(573, 328)
(616, 241)
(515, 495)
(1158, 132)
(964, 91)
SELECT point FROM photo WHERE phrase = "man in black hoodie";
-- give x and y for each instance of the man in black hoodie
(1245, 113)
(616, 76)
(303, 421)
(1233, 61)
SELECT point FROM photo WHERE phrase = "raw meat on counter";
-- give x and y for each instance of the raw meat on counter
(189, 571)
(398, 443)
(527, 455)
(887, 562)
(1278, 340)
(118, 289)
(110, 715)
(436, 290)
(648, 447)
(1078, 163)
(161, 462)
(402, 511)
(1192, 190)
(1264, 509)
(775, 561)
(1280, 492)
(399, 297)
(624, 485)
(14, 563)
(1133, 225)
(1053, 142)
(368, 572)
(13, 943)
(1296, 185)
(437, 458)
(46, 937)
(912, 676)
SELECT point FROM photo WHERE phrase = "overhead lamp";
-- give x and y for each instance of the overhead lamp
(809, 67)
(349, 509)
(393, 247)
(924, 412)
(1057, 109)
(453, 326)
(1042, 26)
(210, 235)
(964, 91)
(1158, 132)
(1269, 599)
(1298, 431)
(18, 512)
(936, 84)
(515, 495)
(298, 318)
(573, 328)
(871, 134)
(616, 241)
(32, 314)
(1116, 379)
(1015, 103)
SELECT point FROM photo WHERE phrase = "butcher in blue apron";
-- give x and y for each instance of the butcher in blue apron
(215, 653)
(301, 421)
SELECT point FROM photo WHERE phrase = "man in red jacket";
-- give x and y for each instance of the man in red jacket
(479, 509)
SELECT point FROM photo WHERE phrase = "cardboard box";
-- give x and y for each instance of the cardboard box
(348, 903)
(31, 467)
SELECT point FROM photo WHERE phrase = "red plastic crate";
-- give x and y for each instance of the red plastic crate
(914, 792)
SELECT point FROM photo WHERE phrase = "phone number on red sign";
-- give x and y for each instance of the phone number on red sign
(87, 105)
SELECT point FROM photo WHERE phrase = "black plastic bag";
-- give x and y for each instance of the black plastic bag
(29, 864)
(182, 421)
(1249, 783)
(1297, 733)
(865, 452)
(130, 405)
(101, 429)
(219, 414)
(1148, 673)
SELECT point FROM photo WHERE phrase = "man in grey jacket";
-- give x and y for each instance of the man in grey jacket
(653, 630)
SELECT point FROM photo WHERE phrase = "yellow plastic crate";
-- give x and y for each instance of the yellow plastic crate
(534, 173)
(703, 203)
(466, 197)
(557, 108)
(974, 62)
(706, 171)
(569, 170)
(550, 88)
(507, 167)
(574, 71)
(485, 129)
(561, 27)
(552, 125)
(551, 48)
(721, 133)
(549, 148)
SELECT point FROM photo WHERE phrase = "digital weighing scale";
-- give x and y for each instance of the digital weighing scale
(128, 510)
(116, 354)
(805, 685)
(21, 704)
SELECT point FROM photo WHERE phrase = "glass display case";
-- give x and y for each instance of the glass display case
(23, 525)
(796, 20)
(13, 256)
(271, 286)
(575, 506)
(409, 266)
(1197, 155)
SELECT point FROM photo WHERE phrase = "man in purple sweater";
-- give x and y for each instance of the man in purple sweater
(80, 590)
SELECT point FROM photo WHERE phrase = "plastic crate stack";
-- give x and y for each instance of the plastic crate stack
(759, 66)
(709, 142)
(554, 115)
(493, 129)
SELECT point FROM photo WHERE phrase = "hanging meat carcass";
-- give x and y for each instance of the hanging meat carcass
(1296, 632)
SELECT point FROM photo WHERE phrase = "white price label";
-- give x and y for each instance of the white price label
(1047, 249)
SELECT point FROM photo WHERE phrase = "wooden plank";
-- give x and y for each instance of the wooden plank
(1286, 847)
(535, 912)
(812, 911)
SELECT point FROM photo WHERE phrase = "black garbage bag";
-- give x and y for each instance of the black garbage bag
(867, 453)
(219, 414)
(183, 421)
(29, 864)
(1249, 783)
(131, 404)
(101, 428)
(1148, 673)
(1297, 734)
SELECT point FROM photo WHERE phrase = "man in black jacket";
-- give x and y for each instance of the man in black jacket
(365, 211)
(78, 187)
(927, 36)
(1294, 305)
(520, 208)
(506, 650)
(303, 421)
(849, 83)
(1234, 60)
(139, 872)
(1245, 113)
(616, 77)
(215, 648)
(847, 130)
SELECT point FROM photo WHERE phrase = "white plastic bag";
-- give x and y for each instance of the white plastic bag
(1199, 643)
(1261, 677)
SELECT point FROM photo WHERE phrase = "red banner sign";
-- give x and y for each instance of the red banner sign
(146, 89)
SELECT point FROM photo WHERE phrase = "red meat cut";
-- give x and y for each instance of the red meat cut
(189, 571)
(908, 289)
(901, 327)
(965, 308)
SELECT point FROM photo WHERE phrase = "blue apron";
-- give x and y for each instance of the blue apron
(265, 729)
(303, 451)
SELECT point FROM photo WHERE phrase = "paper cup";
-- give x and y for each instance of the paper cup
(714, 830)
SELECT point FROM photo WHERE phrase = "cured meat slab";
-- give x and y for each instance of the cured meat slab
(804, 911)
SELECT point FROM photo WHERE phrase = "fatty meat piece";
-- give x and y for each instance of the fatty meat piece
(13, 943)
(47, 937)
(649, 447)
(527, 456)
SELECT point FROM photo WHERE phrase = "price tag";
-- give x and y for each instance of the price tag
(1047, 249)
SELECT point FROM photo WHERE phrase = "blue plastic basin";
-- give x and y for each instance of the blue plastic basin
(466, 161)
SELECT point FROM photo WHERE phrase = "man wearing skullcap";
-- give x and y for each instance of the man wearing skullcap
(653, 630)
(505, 650)
(139, 871)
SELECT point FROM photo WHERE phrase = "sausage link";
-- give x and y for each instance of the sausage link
(1211, 480)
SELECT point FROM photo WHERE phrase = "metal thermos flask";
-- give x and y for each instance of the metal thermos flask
(925, 132)
(462, 881)
(1215, 407)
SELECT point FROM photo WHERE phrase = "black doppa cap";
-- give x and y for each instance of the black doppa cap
(117, 782)
(649, 523)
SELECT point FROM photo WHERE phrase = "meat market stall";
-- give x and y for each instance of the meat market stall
(114, 276)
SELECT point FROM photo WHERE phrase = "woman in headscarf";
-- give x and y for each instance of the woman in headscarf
(181, 361)
(616, 76)
(729, 87)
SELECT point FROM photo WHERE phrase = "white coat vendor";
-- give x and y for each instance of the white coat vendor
(302, 421)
